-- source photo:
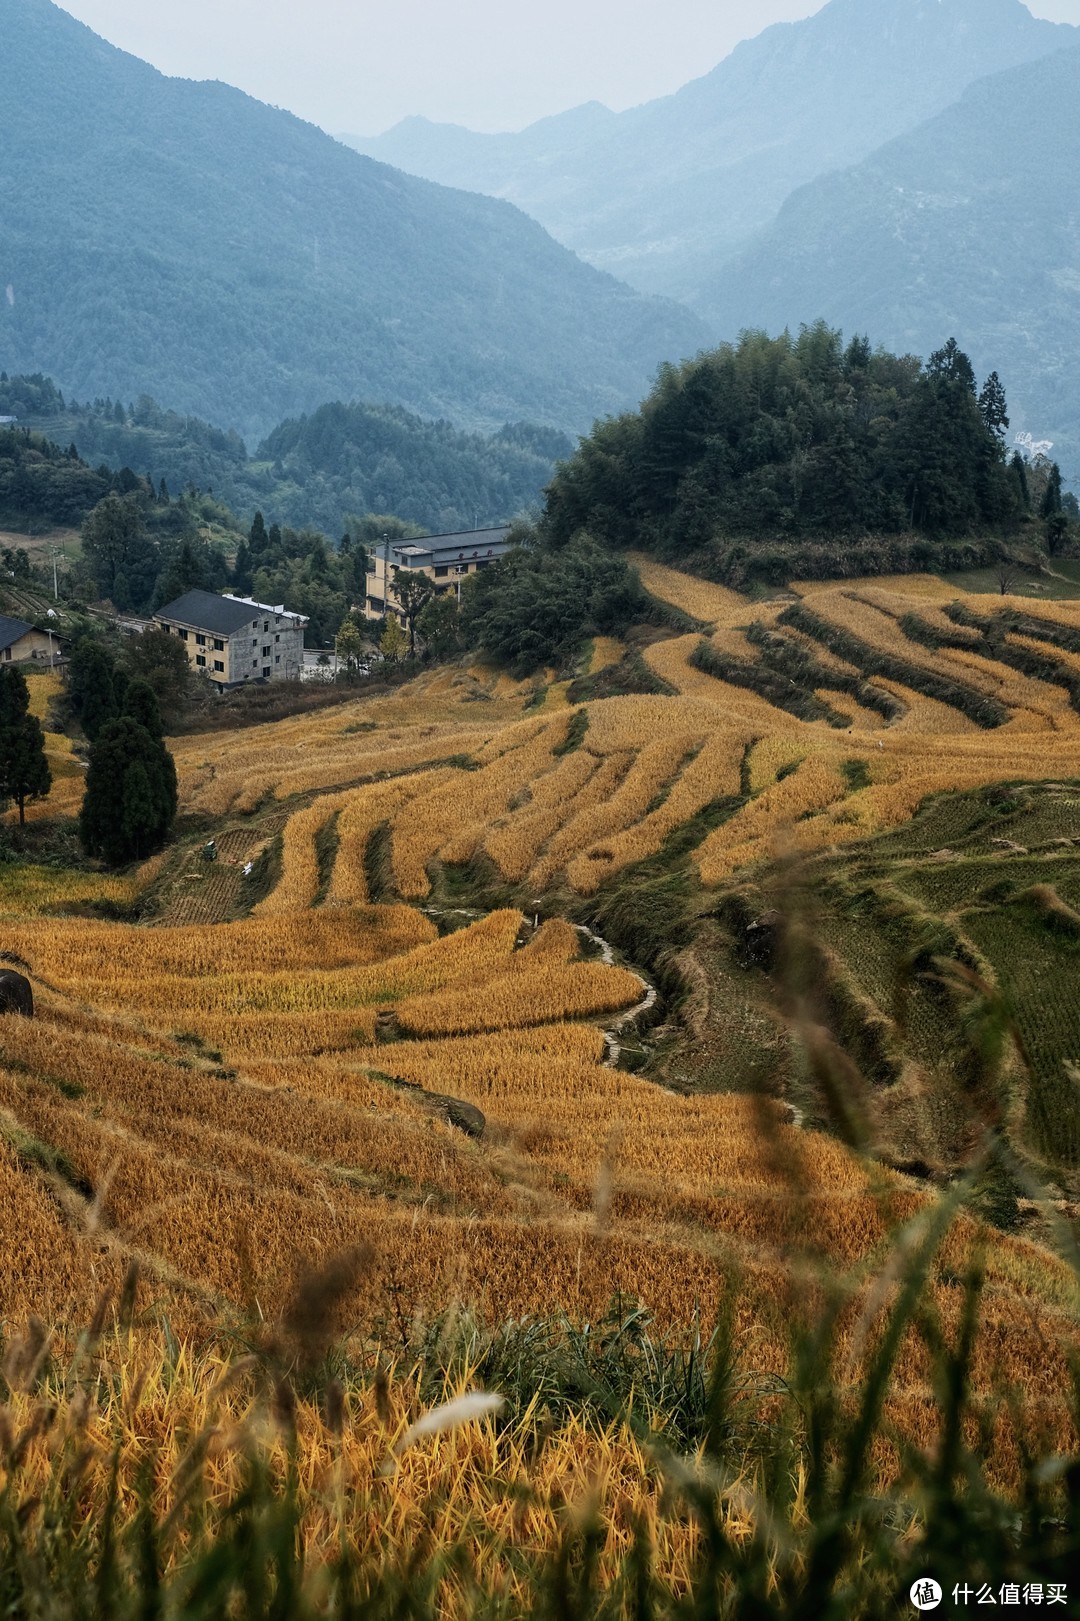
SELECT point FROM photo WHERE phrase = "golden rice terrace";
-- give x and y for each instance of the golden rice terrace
(287, 1056)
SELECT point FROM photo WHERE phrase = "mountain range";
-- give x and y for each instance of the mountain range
(180, 239)
(664, 193)
(968, 225)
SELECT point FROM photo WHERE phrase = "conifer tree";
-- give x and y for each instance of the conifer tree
(993, 408)
(24, 770)
(1051, 500)
(91, 686)
(130, 798)
(140, 702)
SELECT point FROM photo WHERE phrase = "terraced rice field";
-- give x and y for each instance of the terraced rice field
(228, 1100)
(225, 1104)
(453, 768)
(872, 717)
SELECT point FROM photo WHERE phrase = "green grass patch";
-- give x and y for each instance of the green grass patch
(35, 1155)
(379, 864)
(856, 773)
(1061, 582)
(575, 733)
(326, 849)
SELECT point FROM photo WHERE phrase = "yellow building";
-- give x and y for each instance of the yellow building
(445, 559)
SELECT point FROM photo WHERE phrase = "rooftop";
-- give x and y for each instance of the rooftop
(467, 543)
(12, 631)
(220, 616)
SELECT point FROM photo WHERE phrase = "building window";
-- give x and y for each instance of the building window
(266, 652)
(277, 658)
(277, 638)
(254, 661)
(266, 624)
(7, 655)
(219, 645)
(254, 624)
(200, 641)
(182, 635)
(200, 660)
(218, 664)
(266, 669)
(441, 573)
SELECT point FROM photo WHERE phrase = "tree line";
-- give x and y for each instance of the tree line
(311, 469)
(742, 456)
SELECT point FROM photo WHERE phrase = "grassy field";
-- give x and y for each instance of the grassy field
(841, 836)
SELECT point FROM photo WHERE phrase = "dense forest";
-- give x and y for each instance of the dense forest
(141, 547)
(313, 469)
(775, 457)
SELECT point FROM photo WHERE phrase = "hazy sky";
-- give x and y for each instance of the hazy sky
(357, 66)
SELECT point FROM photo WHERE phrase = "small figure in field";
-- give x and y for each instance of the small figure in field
(16, 995)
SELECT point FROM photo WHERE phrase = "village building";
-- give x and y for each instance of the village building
(235, 639)
(20, 643)
(444, 559)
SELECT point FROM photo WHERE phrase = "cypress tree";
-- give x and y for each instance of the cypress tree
(24, 770)
(1051, 501)
(130, 799)
(140, 702)
(92, 686)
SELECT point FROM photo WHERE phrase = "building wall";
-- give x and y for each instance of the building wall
(34, 645)
(270, 647)
(444, 577)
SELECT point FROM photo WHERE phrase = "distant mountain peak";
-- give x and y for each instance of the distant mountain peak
(663, 193)
(183, 240)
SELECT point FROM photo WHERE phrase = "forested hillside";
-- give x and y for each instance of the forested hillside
(786, 457)
(970, 224)
(664, 193)
(181, 240)
(311, 470)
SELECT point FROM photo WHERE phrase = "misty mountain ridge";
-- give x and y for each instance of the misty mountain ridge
(664, 193)
(968, 225)
(179, 239)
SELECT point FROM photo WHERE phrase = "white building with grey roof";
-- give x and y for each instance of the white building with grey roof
(234, 640)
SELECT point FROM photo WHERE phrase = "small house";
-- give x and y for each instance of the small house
(20, 643)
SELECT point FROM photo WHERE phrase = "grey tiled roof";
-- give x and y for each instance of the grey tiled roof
(468, 543)
(220, 616)
(11, 630)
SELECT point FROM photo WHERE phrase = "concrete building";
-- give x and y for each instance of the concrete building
(234, 639)
(20, 643)
(445, 559)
